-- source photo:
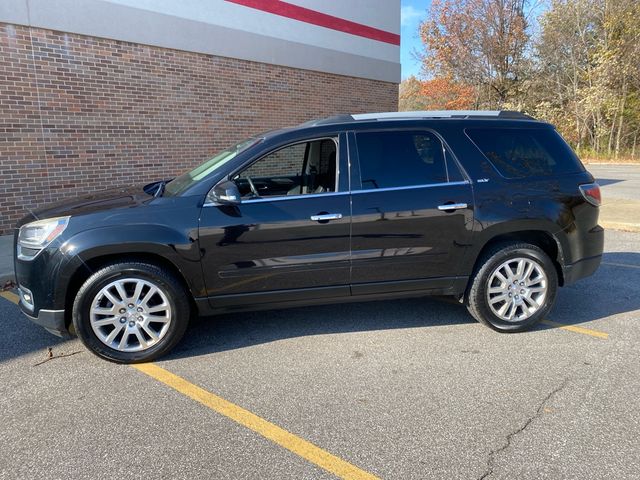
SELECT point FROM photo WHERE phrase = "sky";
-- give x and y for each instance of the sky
(411, 14)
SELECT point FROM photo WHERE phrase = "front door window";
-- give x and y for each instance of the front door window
(299, 169)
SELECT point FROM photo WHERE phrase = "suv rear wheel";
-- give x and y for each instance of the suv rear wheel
(514, 287)
(131, 312)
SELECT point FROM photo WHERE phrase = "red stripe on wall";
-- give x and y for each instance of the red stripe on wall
(314, 17)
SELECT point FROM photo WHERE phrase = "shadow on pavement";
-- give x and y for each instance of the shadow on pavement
(603, 182)
(233, 331)
(613, 289)
(20, 336)
(629, 259)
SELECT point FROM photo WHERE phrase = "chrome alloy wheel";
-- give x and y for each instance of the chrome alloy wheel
(517, 289)
(130, 314)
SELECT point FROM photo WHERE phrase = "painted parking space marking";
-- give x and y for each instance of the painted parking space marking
(12, 297)
(268, 430)
(575, 329)
(625, 265)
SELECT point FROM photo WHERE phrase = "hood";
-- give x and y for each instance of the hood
(113, 198)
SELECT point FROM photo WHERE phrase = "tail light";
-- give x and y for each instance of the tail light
(591, 193)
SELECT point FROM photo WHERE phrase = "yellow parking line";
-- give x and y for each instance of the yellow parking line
(573, 328)
(280, 436)
(12, 297)
(627, 265)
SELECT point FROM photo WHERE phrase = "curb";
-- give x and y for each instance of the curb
(612, 164)
(621, 226)
(6, 277)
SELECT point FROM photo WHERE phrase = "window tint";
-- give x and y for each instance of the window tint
(402, 158)
(453, 171)
(518, 153)
(298, 169)
(184, 181)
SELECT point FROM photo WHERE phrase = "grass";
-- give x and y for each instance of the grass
(624, 160)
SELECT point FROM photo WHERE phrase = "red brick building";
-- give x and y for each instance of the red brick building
(100, 93)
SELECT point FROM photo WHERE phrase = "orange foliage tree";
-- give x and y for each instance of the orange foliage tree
(443, 93)
(478, 42)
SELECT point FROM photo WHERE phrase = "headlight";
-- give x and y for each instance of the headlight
(35, 236)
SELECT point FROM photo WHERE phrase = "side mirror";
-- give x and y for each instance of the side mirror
(225, 193)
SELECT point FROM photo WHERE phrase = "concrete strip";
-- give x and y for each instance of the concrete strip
(619, 214)
(623, 227)
(6, 259)
(620, 185)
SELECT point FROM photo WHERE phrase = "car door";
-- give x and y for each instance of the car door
(288, 239)
(412, 212)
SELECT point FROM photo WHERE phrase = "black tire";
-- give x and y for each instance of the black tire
(476, 296)
(173, 290)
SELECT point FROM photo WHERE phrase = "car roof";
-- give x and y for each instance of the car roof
(422, 115)
(426, 118)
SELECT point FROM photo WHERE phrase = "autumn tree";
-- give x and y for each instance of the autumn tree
(580, 70)
(411, 97)
(441, 93)
(481, 43)
(444, 93)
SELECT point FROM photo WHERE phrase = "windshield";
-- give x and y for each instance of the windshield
(184, 181)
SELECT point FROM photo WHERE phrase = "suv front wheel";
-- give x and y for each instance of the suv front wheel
(130, 312)
(514, 287)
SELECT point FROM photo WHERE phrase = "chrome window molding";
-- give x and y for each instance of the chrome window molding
(293, 197)
(411, 187)
(354, 192)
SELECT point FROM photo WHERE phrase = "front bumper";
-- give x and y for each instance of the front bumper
(52, 320)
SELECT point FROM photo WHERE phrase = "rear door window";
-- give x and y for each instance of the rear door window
(403, 158)
(520, 152)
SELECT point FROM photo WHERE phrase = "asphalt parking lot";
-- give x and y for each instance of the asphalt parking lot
(408, 389)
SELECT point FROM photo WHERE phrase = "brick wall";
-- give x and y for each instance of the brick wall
(81, 113)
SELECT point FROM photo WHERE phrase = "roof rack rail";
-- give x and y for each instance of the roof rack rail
(419, 114)
(328, 120)
(504, 114)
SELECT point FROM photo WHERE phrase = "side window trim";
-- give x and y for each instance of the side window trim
(447, 151)
(412, 187)
(294, 197)
(336, 140)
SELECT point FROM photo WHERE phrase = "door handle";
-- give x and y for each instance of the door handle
(325, 217)
(452, 206)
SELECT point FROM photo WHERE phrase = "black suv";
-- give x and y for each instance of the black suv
(493, 208)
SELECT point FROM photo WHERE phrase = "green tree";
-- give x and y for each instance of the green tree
(587, 73)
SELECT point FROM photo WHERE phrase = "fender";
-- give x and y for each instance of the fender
(180, 248)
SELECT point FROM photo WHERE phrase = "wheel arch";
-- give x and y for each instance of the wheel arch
(542, 238)
(82, 254)
(88, 267)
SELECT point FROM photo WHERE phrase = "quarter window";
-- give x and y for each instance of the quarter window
(403, 158)
(520, 152)
(298, 169)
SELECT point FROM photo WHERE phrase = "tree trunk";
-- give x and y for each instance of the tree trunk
(621, 123)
